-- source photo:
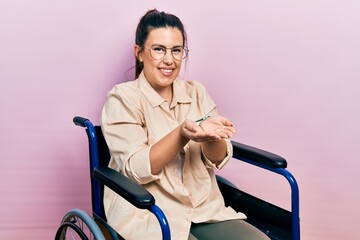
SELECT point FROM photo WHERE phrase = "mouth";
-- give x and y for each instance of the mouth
(166, 71)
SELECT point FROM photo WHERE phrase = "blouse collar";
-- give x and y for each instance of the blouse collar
(179, 94)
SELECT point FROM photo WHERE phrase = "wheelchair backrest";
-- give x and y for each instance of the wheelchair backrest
(103, 150)
(99, 158)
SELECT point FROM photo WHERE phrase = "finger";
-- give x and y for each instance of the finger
(214, 137)
(227, 123)
(191, 127)
(230, 129)
(207, 138)
(225, 133)
(222, 134)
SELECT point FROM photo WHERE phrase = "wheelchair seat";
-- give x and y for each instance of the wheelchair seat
(274, 221)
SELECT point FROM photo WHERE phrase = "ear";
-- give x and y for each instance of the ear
(138, 53)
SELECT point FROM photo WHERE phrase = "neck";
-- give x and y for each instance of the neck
(166, 93)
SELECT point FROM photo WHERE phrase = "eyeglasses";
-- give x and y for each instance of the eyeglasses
(158, 52)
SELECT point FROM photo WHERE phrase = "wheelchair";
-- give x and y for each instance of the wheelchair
(274, 221)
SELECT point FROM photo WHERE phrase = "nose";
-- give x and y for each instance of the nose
(168, 58)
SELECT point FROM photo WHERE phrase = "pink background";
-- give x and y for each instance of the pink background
(286, 72)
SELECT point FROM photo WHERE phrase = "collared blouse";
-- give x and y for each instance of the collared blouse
(135, 117)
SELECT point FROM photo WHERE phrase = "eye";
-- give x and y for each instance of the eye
(177, 50)
(158, 49)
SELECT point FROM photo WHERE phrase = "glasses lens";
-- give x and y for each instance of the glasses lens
(177, 53)
(159, 53)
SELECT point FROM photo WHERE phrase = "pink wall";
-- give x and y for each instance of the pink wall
(286, 72)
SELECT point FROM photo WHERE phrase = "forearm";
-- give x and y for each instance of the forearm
(215, 151)
(162, 152)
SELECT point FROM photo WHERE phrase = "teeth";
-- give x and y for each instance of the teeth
(166, 70)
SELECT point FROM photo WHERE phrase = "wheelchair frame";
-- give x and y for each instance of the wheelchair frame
(141, 198)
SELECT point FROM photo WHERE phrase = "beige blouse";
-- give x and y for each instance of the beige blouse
(135, 117)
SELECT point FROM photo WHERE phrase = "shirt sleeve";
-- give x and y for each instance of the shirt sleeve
(123, 126)
(207, 107)
(229, 153)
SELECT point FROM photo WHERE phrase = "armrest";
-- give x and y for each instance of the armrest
(257, 156)
(131, 191)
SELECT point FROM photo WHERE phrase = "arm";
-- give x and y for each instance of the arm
(166, 149)
(216, 150)
(163, 151)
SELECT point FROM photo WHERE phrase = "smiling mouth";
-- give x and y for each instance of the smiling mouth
(166, 71)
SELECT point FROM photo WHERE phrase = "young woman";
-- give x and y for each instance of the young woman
(165, 134)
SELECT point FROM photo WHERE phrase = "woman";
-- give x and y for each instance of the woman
(165, 134)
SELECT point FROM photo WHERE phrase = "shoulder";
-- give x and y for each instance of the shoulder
(126, 95)
(125, 88)
(197, 91)
(126, 91)
(192, 86)
(123, 102)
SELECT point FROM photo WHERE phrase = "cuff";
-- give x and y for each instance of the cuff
(229, 151)
(139, 167)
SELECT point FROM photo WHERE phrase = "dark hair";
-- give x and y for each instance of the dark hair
(151, 20)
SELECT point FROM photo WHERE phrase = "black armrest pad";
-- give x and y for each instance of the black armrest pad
(242, 151)
(129, 190)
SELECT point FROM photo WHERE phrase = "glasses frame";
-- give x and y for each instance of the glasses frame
(185, 52)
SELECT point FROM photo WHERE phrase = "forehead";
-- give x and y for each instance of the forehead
(165, 36)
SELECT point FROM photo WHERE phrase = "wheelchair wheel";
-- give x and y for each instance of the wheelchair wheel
(69, 230)
(77, 224)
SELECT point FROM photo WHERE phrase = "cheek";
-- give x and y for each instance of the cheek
(150, 67)
(179, 64)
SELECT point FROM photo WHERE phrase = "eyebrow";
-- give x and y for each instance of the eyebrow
(160, 45)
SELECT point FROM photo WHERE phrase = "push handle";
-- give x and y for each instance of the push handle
(80, 121)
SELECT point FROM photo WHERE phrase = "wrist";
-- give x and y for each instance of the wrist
(199, 121)
(184, 139)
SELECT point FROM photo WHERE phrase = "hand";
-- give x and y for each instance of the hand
(219, 125)
(192, 131)
(212, 129)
